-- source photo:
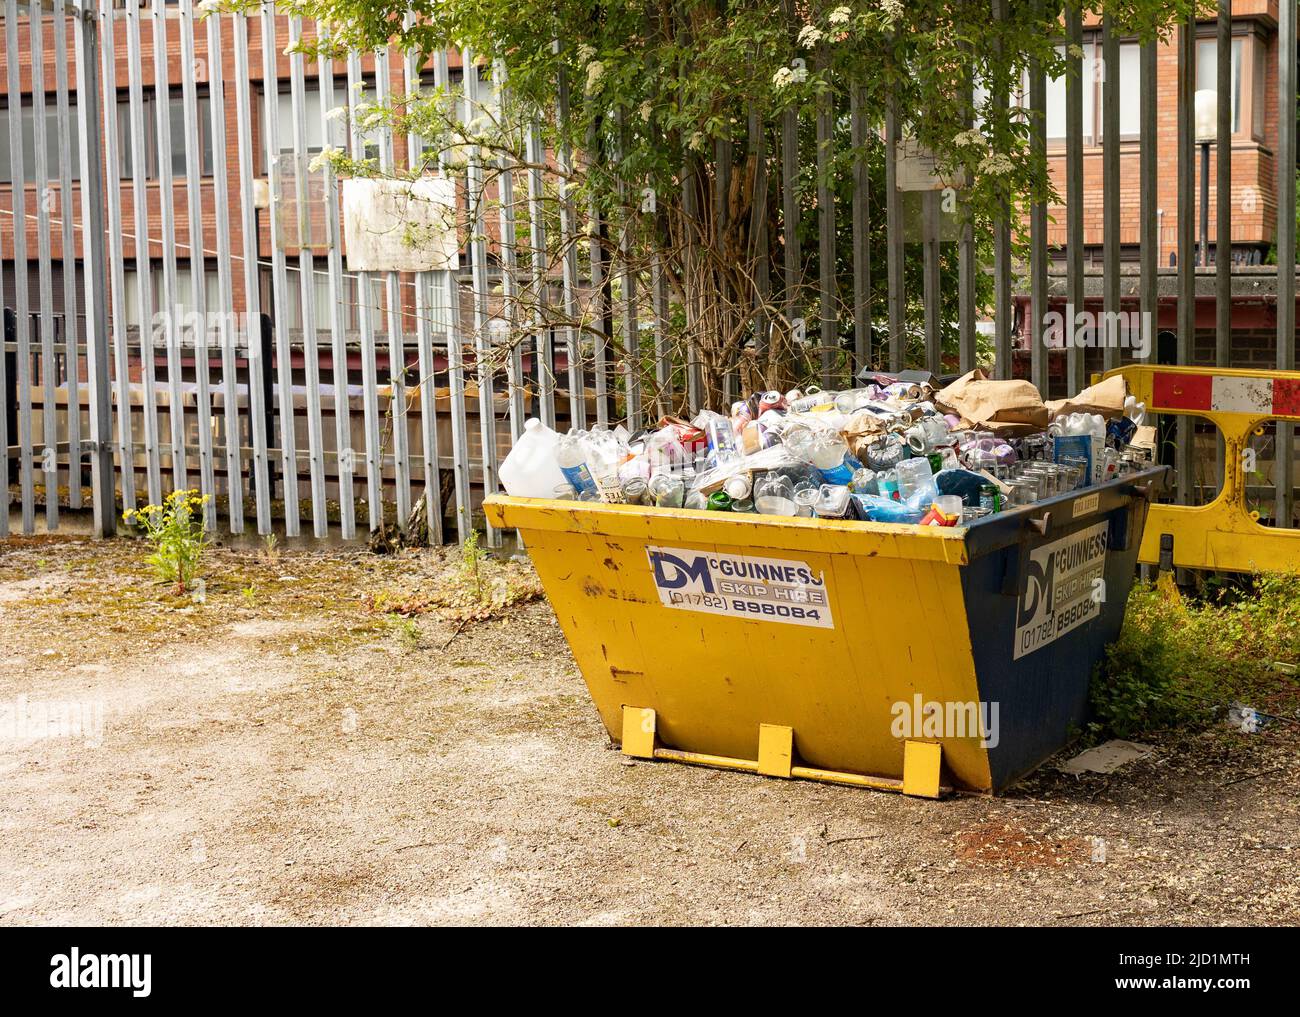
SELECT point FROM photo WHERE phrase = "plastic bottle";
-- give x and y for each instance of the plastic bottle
(531, 470)
(887, 484)
(664, 452)
(719, 433)
(571, 455)
(606, 453)
(916, 478)
(854, 399)
(810, 400)
(833, 460)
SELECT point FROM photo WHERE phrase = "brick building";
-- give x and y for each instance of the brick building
(1250, 236)
(202, 144)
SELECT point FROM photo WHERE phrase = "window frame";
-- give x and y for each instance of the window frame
(1253, 82)
(149, 104)
(27, 111)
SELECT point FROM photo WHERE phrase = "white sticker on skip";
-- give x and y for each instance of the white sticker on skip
(1064, 588)
(738, 586)
(1084, 505)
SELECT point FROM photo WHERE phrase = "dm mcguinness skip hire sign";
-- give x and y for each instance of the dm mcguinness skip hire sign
(739, 586)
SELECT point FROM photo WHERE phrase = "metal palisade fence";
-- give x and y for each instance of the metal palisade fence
(196, 319)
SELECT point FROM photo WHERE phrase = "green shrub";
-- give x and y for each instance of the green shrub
(1179, 664)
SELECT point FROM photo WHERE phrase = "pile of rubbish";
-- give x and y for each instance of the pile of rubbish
(894, 450)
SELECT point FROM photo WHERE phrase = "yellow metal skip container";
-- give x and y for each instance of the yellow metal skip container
(908, 658)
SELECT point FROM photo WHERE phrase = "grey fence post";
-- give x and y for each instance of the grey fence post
(1284, 483)
(89, 127)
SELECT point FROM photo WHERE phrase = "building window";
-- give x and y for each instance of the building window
(182, 143)
(1207, 73)
(54, 163)
(1092, 79)
(312, 125)
(317, 135)
(184, 295)
(323, 300)
(1056, 106)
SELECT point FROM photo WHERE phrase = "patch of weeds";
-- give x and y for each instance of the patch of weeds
(407, 633)
(178, 533)
(476, 588)
(1180, 666)
(249, 593)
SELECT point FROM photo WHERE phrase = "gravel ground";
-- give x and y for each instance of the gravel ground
(283, 753)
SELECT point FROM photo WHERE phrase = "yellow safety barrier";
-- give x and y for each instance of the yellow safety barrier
(1223, 534)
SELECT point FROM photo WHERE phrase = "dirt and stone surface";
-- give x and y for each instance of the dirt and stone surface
(289, 752)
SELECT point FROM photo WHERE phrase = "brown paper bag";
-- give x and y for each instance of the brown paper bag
(1106, 397)
(863, 428)
(1004, 407)
(1144, 437)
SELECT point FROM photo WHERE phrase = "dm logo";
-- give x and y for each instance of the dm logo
(674, 573)
(1039, 582)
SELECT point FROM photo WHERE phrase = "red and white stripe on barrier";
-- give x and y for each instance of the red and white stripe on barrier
(1226, 393)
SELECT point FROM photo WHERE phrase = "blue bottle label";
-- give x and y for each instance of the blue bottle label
(580, 477)
(840, 474)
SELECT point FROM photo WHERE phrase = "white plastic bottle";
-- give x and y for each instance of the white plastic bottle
(571, 454)
(531, 470)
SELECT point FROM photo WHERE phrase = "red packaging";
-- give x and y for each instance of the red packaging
(690, 437)
(936, 518)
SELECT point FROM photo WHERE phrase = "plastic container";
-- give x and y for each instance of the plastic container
(531, 469)
(774, 495)
(571, 454)
(916, 480)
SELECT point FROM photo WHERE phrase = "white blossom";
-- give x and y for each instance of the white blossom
(809, 36)
(996, 164)
(323, 158)
(839, 16)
